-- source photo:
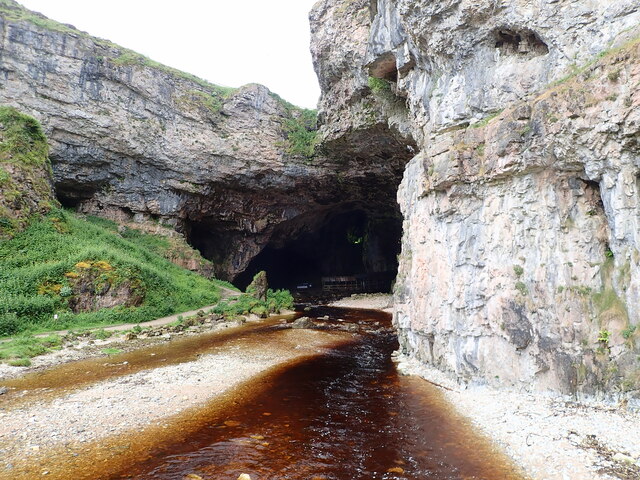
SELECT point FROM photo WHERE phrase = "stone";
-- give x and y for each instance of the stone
(259, 286)
(142, 143)
(3, 390)
(303, 322)
(244, 476)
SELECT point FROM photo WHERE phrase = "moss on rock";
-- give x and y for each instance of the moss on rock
(25, 171)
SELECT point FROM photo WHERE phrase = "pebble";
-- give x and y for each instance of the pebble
(244, 476)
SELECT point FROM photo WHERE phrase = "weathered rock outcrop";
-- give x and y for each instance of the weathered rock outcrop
(26, 187)
(521, 248)
(132, 139)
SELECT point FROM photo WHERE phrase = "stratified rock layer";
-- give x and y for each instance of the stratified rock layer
(134, 140)
(521, 245)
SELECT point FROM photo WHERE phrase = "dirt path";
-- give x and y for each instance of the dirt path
(158, 322)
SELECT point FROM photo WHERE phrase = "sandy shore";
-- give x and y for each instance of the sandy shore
(373, 301)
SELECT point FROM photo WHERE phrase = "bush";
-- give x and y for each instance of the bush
(378, 85)
(302, 133)
(9, 324)
(244, 304)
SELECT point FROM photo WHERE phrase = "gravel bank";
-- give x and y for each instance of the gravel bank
(552, 438)
(151, 397)
(372, 301)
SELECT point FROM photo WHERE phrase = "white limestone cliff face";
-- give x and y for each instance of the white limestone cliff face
(520, 254)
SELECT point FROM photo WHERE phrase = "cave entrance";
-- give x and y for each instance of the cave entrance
(347, 252)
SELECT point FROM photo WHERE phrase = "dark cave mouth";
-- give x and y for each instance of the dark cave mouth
(349, 251)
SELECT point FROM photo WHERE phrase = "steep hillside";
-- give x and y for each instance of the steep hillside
(88, 271)
(520, 256)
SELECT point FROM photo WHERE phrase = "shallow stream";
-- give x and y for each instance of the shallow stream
(344, 415)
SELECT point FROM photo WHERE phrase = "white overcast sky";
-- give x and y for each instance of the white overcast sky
(230, 43)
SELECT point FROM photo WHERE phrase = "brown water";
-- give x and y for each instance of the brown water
(345, 415)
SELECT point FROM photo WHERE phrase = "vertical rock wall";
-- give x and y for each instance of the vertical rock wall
(520, 256)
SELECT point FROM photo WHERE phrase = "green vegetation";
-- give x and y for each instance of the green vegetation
(15, 12)
(522, 288)
(379, 85)
(24, 152)
(12, 11)
(575, 70)
(277, 301)
(604, 336)
(485, 121)
(212, 100)
(582, 290)
(61, 249)
(518, 270)
(301, 128)
(130, 58)
(22, 139)
(18, 351)
(608, 301)
(302, 133)
(111, 351)
(102, 334)
(628, 332)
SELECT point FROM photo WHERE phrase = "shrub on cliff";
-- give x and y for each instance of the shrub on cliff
(302, 133)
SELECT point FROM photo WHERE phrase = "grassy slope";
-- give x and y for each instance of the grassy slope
(34, 264)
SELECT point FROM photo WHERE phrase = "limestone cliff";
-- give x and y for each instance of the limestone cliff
(134, 140)
(521, 236)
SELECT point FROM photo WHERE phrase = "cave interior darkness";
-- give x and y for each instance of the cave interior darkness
(342, 244)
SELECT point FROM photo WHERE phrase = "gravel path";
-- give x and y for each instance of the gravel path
(372, 301)
(226, 293)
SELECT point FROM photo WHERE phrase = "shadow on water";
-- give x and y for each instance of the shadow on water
(344, 415)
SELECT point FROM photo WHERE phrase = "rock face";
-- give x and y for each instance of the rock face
(26, 188)
(133, 140)
(521, 236)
